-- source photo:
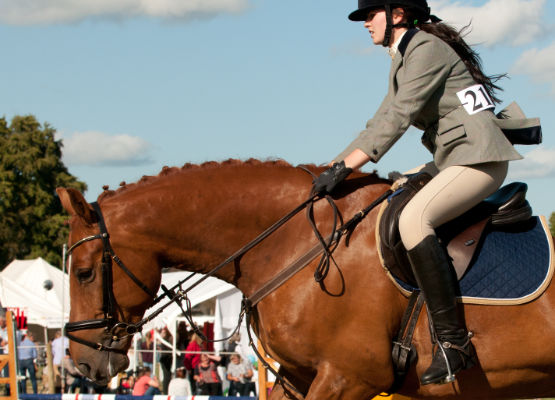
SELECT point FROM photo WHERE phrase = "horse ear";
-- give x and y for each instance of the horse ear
(75, 204)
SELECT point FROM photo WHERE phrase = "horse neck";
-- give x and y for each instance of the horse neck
(194, 220)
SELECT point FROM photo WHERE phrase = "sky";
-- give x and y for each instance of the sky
(134, 85)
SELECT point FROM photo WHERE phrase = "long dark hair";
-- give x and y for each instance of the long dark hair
(469, 56)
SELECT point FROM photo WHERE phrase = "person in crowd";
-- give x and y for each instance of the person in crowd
(192, 358)
(3, 333)
(251, 385)
(239, 374)
(436, 83)
(4, 346)
(59, 346)
(27, 354)
(180, 385)
(166, 358)
(147, 351)
(181, 341)
(126, 384)
(145, 384)
(73, 377)
(229, 347)
(206, 376)
(234, 342)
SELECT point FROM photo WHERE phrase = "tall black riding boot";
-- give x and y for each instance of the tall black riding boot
(436, 280)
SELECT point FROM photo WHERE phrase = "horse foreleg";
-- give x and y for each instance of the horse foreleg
(332, 384)
(279, 393)
(292, 388)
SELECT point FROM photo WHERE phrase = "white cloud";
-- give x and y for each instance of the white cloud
(29, 12)
(513, 22)
(538, 64)
(97, 148)
(538, 163)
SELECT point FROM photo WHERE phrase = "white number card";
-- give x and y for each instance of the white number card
(475, 99)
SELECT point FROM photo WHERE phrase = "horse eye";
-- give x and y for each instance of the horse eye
(85, 274)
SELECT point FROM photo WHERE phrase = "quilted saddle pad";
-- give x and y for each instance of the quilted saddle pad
(509, 268)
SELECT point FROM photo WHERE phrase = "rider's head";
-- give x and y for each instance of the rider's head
(397, 14)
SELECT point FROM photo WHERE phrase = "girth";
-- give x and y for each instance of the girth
(461, 236)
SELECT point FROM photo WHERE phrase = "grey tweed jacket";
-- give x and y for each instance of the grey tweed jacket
(425, 76)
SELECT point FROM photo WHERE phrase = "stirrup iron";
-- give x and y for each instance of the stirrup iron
(448, 345)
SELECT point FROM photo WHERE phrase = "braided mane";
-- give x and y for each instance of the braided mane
(169, 171)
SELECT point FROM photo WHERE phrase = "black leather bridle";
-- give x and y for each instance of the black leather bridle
(119, 330)
(109, 306)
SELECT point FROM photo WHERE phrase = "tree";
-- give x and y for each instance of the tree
(552, 223)
(32, 221)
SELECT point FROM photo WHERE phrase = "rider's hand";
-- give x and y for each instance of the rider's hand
(330, 178)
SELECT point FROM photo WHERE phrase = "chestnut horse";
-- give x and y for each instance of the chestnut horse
(333, 340)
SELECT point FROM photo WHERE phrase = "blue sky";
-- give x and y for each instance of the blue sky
(133, 85)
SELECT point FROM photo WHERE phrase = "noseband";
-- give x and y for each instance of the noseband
(109, 307)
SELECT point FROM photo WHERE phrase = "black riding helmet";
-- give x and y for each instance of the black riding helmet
(419, 8)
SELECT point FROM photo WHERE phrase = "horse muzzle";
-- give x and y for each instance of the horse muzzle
(101, 366)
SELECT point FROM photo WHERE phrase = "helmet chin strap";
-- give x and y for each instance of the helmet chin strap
(389, 26)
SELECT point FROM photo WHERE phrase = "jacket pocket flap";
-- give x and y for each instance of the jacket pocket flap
(451, 135)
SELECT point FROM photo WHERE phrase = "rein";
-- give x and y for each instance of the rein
(177, 295)
(109, 308)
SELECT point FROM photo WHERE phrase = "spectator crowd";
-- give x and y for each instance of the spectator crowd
(197, 370)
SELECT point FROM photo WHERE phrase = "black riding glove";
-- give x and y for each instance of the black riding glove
(330, 178)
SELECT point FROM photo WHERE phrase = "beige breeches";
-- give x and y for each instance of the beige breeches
(449, 194)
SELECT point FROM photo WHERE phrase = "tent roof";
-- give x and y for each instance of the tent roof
(22, 284)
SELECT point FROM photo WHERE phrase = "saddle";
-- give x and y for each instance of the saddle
(505, 209)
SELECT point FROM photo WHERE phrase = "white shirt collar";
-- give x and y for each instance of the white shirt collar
(393, 49)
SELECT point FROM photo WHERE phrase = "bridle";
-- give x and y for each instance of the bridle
(177, 295)
(110, 322)
(109, 305)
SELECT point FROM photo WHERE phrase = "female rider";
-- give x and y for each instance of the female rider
(437, 85)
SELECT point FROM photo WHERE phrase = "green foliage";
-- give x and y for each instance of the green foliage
(552, 223)
(32, 221)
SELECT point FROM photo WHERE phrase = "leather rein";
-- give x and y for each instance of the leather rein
(119, 330)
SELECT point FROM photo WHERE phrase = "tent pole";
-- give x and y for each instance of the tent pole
(64, 255)
(174, 348)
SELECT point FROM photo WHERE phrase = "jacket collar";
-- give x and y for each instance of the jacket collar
(405, 41)
(402, 47)
(398, 60)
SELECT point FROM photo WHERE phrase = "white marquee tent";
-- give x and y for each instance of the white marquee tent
(24, 284)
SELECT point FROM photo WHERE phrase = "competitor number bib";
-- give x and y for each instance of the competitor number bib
(475, 99)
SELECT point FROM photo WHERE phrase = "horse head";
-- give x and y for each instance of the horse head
(105, 304)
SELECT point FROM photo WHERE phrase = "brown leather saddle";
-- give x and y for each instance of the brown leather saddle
(505, 209)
